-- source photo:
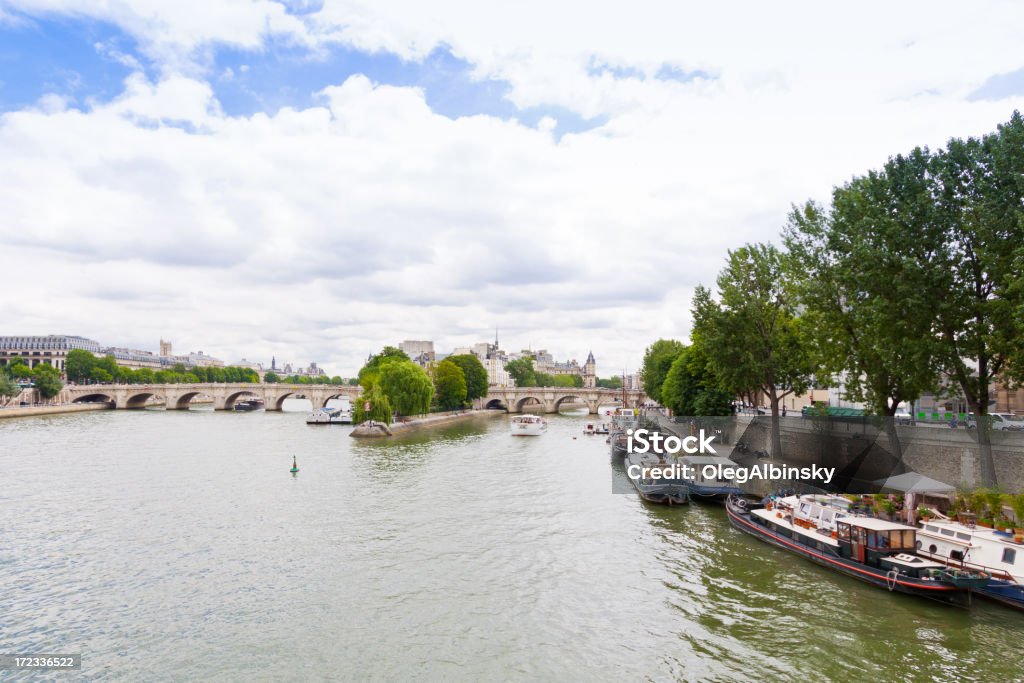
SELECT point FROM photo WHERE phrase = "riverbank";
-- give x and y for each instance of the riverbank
(379, 429)
(33, 411)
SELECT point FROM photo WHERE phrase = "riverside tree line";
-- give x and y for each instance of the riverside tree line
(910, 280)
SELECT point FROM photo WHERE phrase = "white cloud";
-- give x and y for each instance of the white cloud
(323, 233)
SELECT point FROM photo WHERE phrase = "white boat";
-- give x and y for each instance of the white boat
(972, 547)
(333, 415)
(528, 425)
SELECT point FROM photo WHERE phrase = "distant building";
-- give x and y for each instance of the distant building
(590, 372)
(133, 359)
(421, 352)
(51, 349)
(165, 348)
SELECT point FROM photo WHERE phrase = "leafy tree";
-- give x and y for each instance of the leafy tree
(546, 380)
(353, 382)
(47, 380)
(100, 375)
(691, 386)
(752, 336)
(407, 386)
(271, 377)
(8, 388)
(20, 370)
(658, 358)
(78, 365)
(981, 212)
(521, 371)
(449, 385)
(380, 407)
(475, 374)
(370, 373)
(610, 383)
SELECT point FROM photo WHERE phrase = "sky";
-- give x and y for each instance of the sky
(312, 180)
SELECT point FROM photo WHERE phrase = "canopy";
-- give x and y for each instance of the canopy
(914, 482)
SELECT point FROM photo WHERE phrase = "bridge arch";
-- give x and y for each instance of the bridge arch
(496, 404)
(97, 397)
(529, 402)
(231, 398)
(136, 401)
(573, 400)
(277, 402)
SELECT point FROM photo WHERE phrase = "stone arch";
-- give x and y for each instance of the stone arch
(184, 401)
(277, 402)
(136, 401)
(97, 398)
(573, 400)
(496, 404)
(229, 400)
(529, 401)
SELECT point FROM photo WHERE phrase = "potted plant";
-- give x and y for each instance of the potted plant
(994, 501)
(986, 522)
(1017, 503)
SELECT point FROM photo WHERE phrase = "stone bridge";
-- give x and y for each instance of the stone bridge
(179, 396)
(550, 399)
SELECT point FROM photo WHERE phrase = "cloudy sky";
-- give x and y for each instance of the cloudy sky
(314, 180)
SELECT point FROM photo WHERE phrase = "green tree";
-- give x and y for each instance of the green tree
(981, 211)
(379, 406)
(658, 358)
(20, 370)
(521, 371)
(78, 365)
(610, 383)
(271, 378)
(449, 385)
(407, 386)
(47, 380)
(691, 386)
(475, 374)
(370, 373)
(752, 335)
(8, 388)
(100, 375)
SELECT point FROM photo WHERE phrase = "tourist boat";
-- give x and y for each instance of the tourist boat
(528, 425)
(824, 530)
(247, 404)
(961, 545)
(333, 415)
(704, 481)
(654, 479)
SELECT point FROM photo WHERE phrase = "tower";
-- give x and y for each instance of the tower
(165, 348)
(590, 372)
(273, 363)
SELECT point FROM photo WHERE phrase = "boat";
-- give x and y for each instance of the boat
(248, 404)
(962, 545)
(824, 530)
(620, 444)
(595, 428)
(528, 425)
(654, 479)
(702, 477)
(333, 415)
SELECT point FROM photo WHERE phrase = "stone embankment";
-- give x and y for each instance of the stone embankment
(379, 429)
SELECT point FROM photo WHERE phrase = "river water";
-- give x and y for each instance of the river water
(177, 546)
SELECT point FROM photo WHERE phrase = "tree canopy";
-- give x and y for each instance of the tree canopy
(475, 374)
(521, 371)
(658, 358)
(407, 386)
(449, 385)
(691, 387)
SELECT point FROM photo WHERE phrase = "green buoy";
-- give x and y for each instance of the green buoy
(295, 466)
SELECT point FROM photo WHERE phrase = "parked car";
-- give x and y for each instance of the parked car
(1001, 422)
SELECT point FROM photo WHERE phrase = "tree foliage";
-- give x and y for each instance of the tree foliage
(450, 385)
(47, 380)
(658, 358)
(474, 372)
(614, 382)
(370, 373)
(78, 365)
(691, 386)
(521, 371)
(751, 333)
(8, 388)
(380, 407)
(407, 386)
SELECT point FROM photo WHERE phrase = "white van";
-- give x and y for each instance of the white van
(1001, 422)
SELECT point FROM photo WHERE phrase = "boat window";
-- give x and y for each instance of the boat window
(963, 537)
(909, 539)
(929, 527)
(933, 549)
(844, 532)
(956, 555)
(947, 532)
(860, 535)
(1009, 555)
